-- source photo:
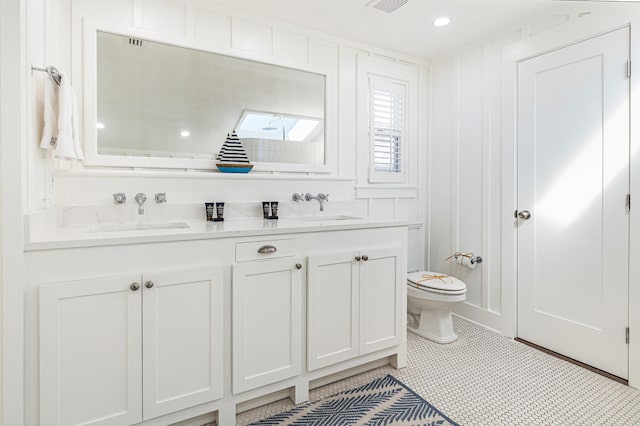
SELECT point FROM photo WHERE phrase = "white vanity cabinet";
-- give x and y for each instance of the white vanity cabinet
(354, 302)
(281, 311)
(128, 348)
(266, 318)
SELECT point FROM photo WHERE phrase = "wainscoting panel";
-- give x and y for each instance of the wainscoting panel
(212, 30)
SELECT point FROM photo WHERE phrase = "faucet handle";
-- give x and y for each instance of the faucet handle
(323, 196)
(140, 198)
(161, 197)
(119, 198)
(297, 197)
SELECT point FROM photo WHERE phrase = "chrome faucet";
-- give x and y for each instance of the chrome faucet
(140, 199)
(161, 197)
(320, 197)
(119, 198)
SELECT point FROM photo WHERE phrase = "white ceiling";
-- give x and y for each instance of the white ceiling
(409, 29)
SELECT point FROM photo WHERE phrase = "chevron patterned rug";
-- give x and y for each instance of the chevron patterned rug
(385, 401)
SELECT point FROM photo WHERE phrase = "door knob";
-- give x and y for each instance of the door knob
(148, 284)
(524, 214)
(365, 257)
(358, 258)
(298, 266)
(134, 286)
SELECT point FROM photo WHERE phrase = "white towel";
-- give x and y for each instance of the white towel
(50, 131)
(61, 127)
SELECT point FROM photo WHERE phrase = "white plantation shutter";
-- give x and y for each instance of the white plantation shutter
(387, 138)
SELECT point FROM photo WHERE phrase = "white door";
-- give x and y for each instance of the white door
(267, 322)
(332, 298)
(573, 177)
(91, 352)
(182, 339)
(382, 304)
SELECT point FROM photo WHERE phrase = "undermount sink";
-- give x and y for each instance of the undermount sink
(119, 227)
(327, 218)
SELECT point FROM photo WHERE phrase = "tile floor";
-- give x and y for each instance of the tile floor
(486, 379)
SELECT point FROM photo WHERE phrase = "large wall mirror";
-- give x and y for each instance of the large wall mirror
(162, 105)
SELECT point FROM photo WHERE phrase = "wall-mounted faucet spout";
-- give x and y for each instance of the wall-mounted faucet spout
(320, 197)
(140, 199)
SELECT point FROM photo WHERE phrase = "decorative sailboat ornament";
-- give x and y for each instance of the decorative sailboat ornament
(232, 157)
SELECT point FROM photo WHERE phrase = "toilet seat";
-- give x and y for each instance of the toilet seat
(440, 283)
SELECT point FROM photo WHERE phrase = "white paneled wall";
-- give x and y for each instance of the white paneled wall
(441, 173)
(39, 184)
(253, 37)
(199, 24)
(89, 188)
(12, 202)
(212, 30)
(466, 167)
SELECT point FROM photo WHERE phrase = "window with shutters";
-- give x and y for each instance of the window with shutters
(387, 137)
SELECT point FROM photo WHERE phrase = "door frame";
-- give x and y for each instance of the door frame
(576, 30)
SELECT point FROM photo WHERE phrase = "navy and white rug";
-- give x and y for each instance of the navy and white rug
(385, 401)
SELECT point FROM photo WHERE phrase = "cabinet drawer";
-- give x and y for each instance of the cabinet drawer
(267, 249)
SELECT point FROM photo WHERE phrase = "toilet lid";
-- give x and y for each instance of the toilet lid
(436, 281)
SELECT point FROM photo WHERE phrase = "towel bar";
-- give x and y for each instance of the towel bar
(52, 71)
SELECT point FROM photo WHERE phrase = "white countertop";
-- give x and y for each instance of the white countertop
(83, 236)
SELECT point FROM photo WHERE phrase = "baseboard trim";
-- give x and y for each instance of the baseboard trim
(479, 324)
(480, 316)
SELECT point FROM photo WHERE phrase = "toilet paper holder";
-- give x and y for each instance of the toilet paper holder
(473, 259)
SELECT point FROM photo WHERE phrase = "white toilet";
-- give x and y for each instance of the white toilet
(431, 296)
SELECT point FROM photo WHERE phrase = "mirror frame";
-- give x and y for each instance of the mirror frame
(88, 65)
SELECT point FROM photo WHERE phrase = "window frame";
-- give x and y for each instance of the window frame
(406, 74)
(398, 125)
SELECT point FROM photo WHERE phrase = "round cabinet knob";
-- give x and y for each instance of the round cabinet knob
(135, 286)
(148, 284)
(358, 258)
(298, 266)
(524, 214)
(365, 257)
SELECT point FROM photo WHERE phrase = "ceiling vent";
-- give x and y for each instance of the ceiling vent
(386, 6)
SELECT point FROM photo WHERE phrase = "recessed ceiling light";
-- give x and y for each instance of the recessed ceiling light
(99, 125)
(441, 22)
(185, 133)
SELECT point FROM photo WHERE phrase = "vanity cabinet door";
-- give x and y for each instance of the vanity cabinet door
(182, 339)
(267, 317)
(91, 352)
(382, 305)
(355, 304)
(333, 312)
